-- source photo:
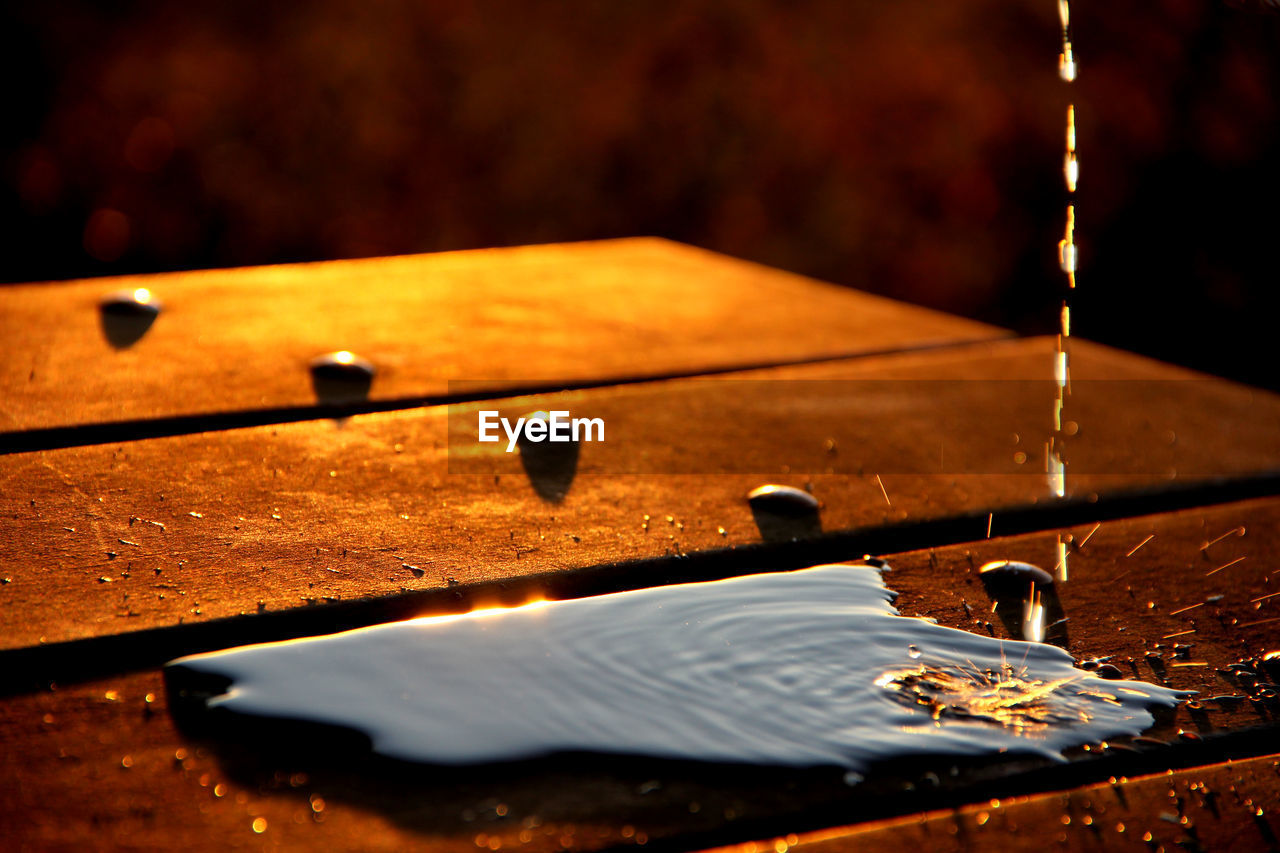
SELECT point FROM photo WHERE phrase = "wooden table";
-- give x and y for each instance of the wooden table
(190, 492)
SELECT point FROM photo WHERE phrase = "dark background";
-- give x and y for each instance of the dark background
(908, 148)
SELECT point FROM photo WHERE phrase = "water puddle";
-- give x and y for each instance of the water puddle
(808, 668)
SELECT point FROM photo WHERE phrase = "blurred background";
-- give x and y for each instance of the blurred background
(907, 148)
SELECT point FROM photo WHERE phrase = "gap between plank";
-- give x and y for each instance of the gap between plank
(80, 435)
(35, 667)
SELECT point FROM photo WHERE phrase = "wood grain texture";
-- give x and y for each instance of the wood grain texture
(165, 539)
(1224, 806)
(98, 764)
(241, 339)
(115, 538)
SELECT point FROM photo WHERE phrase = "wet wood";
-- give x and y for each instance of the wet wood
(117, 538)
(306, 527)
(98, 761)
(238, 340)
(1223, 806)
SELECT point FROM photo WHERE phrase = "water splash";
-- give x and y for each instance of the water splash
(805, 668)
(1064, 542)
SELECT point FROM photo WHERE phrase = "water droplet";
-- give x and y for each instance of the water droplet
(784, 513)
(341, 377)
(126, 315)
(1067, 64)
(1026, 601)
(550, 465)
(1270, 664)
(913, 652)
(1071, 171)
(1057, 474)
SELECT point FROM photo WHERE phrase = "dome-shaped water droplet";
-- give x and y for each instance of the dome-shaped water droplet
(1008, 572)
(913, 652)
(1026, 601)
(126, 315)
(783, 513)
(1109, 671)
(341, 377)
(550, 465)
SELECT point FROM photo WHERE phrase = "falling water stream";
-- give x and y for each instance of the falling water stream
(1055, 452)
(1067, 260)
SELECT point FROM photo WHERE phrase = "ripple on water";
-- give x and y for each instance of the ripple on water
(804, 668)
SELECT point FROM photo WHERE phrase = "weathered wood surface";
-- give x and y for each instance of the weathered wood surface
(97, 761)
(119, 552)
(115, 538)
(232, 340)
(1232, 805)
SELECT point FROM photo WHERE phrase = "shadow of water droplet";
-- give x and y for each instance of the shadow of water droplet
(783, 513)
(127, 315)
(341, 377)
(1026, 601)
(550, 465)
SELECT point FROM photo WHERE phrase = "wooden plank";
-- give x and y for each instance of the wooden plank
(102, 747)
(230, 340)
(1226, 806)
(115, 538)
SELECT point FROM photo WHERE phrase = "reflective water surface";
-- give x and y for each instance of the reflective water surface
(803, 668)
